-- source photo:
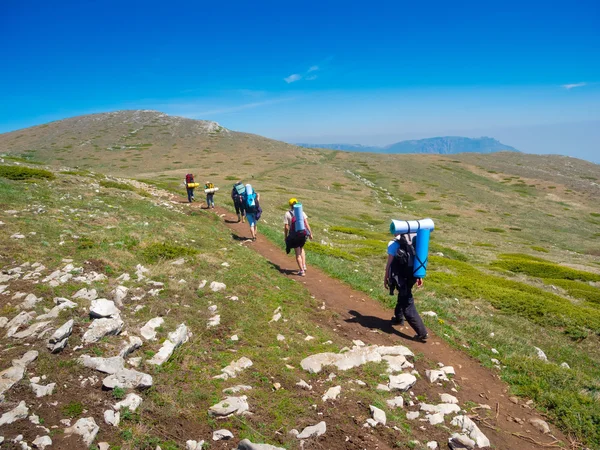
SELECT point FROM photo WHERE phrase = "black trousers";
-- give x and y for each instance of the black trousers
(239, 207)
(406, 308)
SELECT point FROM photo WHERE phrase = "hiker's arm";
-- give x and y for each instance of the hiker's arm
(308, 228)
(286, 230)
(419, 282)
(387, 271)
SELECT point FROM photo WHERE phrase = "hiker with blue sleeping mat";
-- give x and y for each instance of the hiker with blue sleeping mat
(252, 208)
(237, 195)
(296, 229)
(399, 275)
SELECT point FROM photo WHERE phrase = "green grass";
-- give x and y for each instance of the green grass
(539, 268)
(157, 251)
(73, 409)
(494, 230)
(18, 173)
(116, 185)
(577, 289)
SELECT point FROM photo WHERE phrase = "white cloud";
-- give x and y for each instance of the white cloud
(568, 87)
(311, 77)
(293, 77)
(313, 68)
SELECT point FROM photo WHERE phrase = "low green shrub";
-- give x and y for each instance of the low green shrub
(578, 289)
(539, 249)
(163, 250)
(484, 244)
(116, 185)
(494, 230)
(540, 268)
(448, 252)
(359, 232)
(18, 173)
(321, 249)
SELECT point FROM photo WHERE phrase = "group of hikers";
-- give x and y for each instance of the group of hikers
(399, 275)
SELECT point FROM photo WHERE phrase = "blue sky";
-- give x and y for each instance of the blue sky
(328, 71)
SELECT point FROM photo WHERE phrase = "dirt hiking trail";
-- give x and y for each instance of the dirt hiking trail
(507, 425)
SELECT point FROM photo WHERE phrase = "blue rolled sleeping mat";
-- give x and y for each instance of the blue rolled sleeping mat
(298, 214)
(423, 229)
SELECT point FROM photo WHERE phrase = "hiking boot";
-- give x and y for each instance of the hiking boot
(422, 338)
(397, 320)
(301, 273)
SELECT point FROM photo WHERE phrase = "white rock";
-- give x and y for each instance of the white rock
(103, 308)
(435, 419)
(105, 446)
(18, 321)
(128, 379)
(304, 385)
(564, 365)
(469, 427)
(106, 365)
(245, 444)
(86, 294)
(21, 411)
(112, 418)
(42, 391)
(215, 286)
(62, 333)
(460, 441)
(178, 262)
(30, 301)
(124, 277)
(383, 387)
(378, 415)
(235, 367)
(54, 312)
(429, 313)
(313, 431)
(447, 398)
(148, 331)
(131, 346)
(332, 393)
(540, 425)
(448, 370)
(101, 328)
(540, 354)
(176, 338)
(402, 382)
(42, 442)
(435, 375)
(86, 428)
(3, 321)
(132, 402)
(119, 294)
(442, 408)
(396, 402)
(234, 338)
(495, 352)
(202, 284)
(194, 445)
(237, 388)
(229, 406)
(31, 331)
(412, 415)
(222, 435)
(432, 445)
(214, 321)
(396, 363)
(135, 362)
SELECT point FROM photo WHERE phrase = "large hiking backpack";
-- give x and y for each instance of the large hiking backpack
(292, 232)
(250, 202)
(404, 258)
(189, 178)
(240, 188)
(210, 186)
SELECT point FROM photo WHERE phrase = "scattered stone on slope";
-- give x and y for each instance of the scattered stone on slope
(86, 428)
(402, 382)
(148, 331)
(103, 307)
(237, 388)
(332, 393)
(245, 444)
(355, 357)
(304, 385)
(18, 321)
(132, 402)
(112, 418)
(54, 312)
(131, 346)
(21, 411)
(442, 408)
(119, 294)
(435, 375)
(378, 415)
(216, 286)
(540, 354)
(276, 315)
(222, 435)
(469, 427)
(100, 328)
(234, 368)
(86, 294)
(30, 301)
(41, 390)
(33, 330)
(397, 363)
(313, 431)
(128, 379)
(214, 321)
(176, 338)
(229, 406)
(14, 374)
(396, 402)
(110, 365)
(460, 441)
(42, 442)
(540, 425)
(447, 398)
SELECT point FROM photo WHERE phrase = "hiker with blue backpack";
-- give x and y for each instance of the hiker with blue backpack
(399, 275)
(237, 195)
(296, 230)
(252, 208)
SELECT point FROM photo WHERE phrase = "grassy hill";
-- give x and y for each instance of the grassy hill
(513, 264)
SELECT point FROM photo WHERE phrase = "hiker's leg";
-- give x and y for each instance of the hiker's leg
(303, 257)
(413, 318)
(298, 251)
(189, 193)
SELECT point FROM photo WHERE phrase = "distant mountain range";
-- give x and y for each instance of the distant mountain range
(437, 145)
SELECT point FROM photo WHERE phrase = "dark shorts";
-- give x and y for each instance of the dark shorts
(294, 242)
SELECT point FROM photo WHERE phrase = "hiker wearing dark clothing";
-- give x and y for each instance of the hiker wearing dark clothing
(296, 239)
(189, 182)
(237, 195)
(399, 276)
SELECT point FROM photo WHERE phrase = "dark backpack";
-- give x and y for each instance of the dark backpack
(401, 275)
(292, 232)
(189, 178)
